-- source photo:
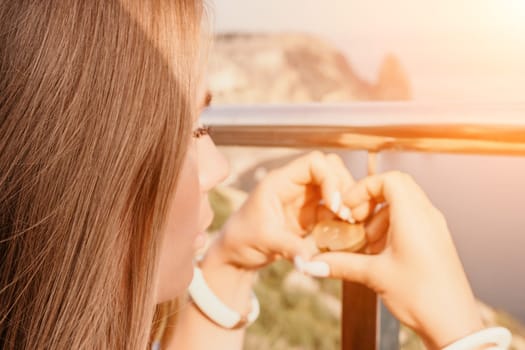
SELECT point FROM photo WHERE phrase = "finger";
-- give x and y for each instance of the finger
(377, 246)
(290, 245)
(311, 245)
(365, 190)
(377, 231)
(364, 210)
(346, 181)
(346, 266)
(377, 227)
(311, 169)
(392, 187)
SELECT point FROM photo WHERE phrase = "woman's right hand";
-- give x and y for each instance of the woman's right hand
(412, 262)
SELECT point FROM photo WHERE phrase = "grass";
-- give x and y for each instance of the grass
(291, 319)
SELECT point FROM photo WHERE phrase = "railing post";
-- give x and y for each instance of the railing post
(366, 322)
(359, 319)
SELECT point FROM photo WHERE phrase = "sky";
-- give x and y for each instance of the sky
(453, 50)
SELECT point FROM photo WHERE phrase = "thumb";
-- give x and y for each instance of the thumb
(341, 265)
(290, 245)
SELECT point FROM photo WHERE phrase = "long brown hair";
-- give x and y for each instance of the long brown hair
(96, 103)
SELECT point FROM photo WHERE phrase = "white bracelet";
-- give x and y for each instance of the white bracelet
(212, 307)
(499, 336)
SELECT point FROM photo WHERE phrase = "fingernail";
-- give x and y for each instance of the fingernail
(299, 263)
(317, 269)
(346, 214)
(335, 202)
(378, 207)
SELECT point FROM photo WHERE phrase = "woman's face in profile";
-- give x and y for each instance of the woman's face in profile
(190, 213)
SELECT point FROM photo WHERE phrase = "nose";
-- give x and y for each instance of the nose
(213, 165)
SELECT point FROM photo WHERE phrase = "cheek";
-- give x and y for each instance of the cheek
(182, 226)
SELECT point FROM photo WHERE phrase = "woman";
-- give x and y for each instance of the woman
(103, 186)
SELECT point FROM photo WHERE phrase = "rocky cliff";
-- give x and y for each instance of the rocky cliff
(294, 68)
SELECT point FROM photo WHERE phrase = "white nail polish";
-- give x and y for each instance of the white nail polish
(317, 269)
(378, 207)
(335, 202)
(346, 214)
(299, 263)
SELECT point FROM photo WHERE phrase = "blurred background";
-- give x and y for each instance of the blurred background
(451, 49)
(345, 51)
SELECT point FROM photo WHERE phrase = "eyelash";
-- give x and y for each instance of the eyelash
(202, 131)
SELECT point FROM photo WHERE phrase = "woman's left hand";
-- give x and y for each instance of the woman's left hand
(283, 209)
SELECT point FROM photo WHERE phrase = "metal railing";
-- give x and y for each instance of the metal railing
(374, 127)
(478, 129)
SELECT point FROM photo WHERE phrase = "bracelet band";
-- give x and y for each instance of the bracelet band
(499, 337)
(213, 308)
